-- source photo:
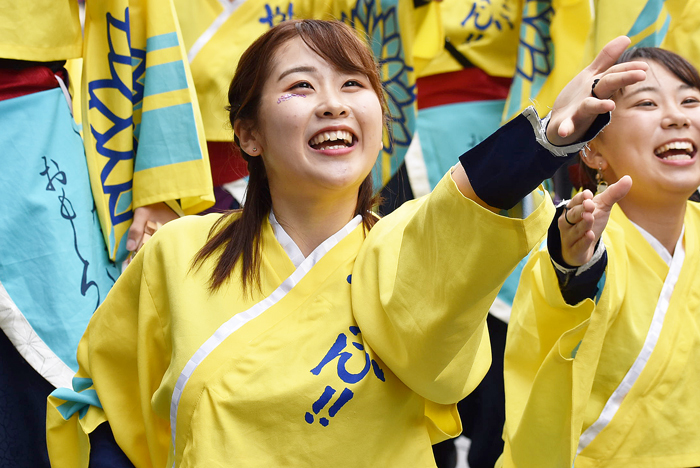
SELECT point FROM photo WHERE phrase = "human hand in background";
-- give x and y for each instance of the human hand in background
(576, 107)
(147, 219)
(584, 220)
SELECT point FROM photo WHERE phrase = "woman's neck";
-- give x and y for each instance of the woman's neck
(309, 223)
(663, 221)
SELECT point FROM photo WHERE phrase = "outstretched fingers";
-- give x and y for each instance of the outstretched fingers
(576, 107)
(619, 76)
(613, 194)
(575, 228)
(609, 54)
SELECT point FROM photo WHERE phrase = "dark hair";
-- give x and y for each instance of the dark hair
(673, 62)
(239, 236)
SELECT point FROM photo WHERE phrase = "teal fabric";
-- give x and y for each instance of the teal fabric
(163, 41)
(171, 138)
(650, 13)
(53, 260)
(446, 132)
(76, 402)
(165, 77)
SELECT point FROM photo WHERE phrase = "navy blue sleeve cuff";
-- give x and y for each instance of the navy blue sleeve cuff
(511, 162)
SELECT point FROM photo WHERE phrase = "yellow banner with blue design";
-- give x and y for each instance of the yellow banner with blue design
(670, 24)
(553, 40)
(559, 38)
(144, 138)
(484, 31)
(402, 37)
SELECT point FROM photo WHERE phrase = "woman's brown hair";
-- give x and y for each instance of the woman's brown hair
(673, 62)
(240, 238)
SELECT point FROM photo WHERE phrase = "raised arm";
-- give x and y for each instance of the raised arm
(523, 153)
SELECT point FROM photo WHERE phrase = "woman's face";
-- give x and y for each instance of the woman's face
(319, 129)
(653, 137)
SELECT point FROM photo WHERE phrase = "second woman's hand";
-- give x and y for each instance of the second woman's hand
(584, 220)
(576, 107)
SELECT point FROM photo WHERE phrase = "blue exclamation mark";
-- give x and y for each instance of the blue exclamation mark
(319, 404)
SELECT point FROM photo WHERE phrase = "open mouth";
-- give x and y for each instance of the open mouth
(336, 139)
(676, 151)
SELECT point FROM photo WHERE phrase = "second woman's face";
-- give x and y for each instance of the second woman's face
(320, 128)
(654, 136)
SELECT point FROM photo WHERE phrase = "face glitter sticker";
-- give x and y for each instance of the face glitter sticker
(287, 97)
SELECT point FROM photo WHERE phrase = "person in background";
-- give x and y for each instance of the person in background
(72, 208)
(603, 349)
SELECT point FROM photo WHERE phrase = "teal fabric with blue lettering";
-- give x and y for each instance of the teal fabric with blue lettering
(53, 260)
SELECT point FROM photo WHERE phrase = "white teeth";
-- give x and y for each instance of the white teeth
(332, 136)
(675, 145)
(677, 157)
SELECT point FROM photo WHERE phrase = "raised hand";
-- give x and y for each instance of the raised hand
(158, 214)
(584, 220)
(575, 107)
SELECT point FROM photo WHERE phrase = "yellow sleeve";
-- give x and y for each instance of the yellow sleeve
(549, 367)
(424, 281)
(119, 372)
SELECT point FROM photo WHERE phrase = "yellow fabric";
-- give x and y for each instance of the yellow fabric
(563, 362)
(561, 37)
(143, 135)
(682, 36)
(553, 40)
(40, 30)
(253, 397)
(486, 33)
(403, 38)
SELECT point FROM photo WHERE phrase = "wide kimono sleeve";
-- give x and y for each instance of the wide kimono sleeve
(122, 356)
(425, 279)
(552, 353)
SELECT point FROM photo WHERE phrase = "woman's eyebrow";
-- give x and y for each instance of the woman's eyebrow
(643, 90)
(296, 70)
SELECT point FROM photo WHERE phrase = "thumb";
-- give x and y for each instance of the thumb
(136, 230)
(614, 193)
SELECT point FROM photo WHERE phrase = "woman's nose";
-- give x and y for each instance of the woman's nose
(333, 106)
(675, 118)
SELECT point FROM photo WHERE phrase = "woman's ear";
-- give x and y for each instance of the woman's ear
(592, 157)
(248, 137)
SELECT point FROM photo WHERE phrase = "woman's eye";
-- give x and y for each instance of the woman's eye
(691, 100)
(353, 83)
(302, 84)
(645, 104)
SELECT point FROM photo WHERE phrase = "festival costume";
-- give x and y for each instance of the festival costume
(568, 388)
(365, 337)
(357, 365)
(62, 237)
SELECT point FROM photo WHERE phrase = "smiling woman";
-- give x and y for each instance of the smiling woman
(301, 330)
(612, 304)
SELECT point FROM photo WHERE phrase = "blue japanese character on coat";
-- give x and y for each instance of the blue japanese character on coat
(338, 351)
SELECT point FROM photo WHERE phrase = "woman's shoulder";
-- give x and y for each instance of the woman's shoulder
(188, 232)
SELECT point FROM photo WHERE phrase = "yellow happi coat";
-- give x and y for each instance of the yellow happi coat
(564, 362)
(354, 361)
